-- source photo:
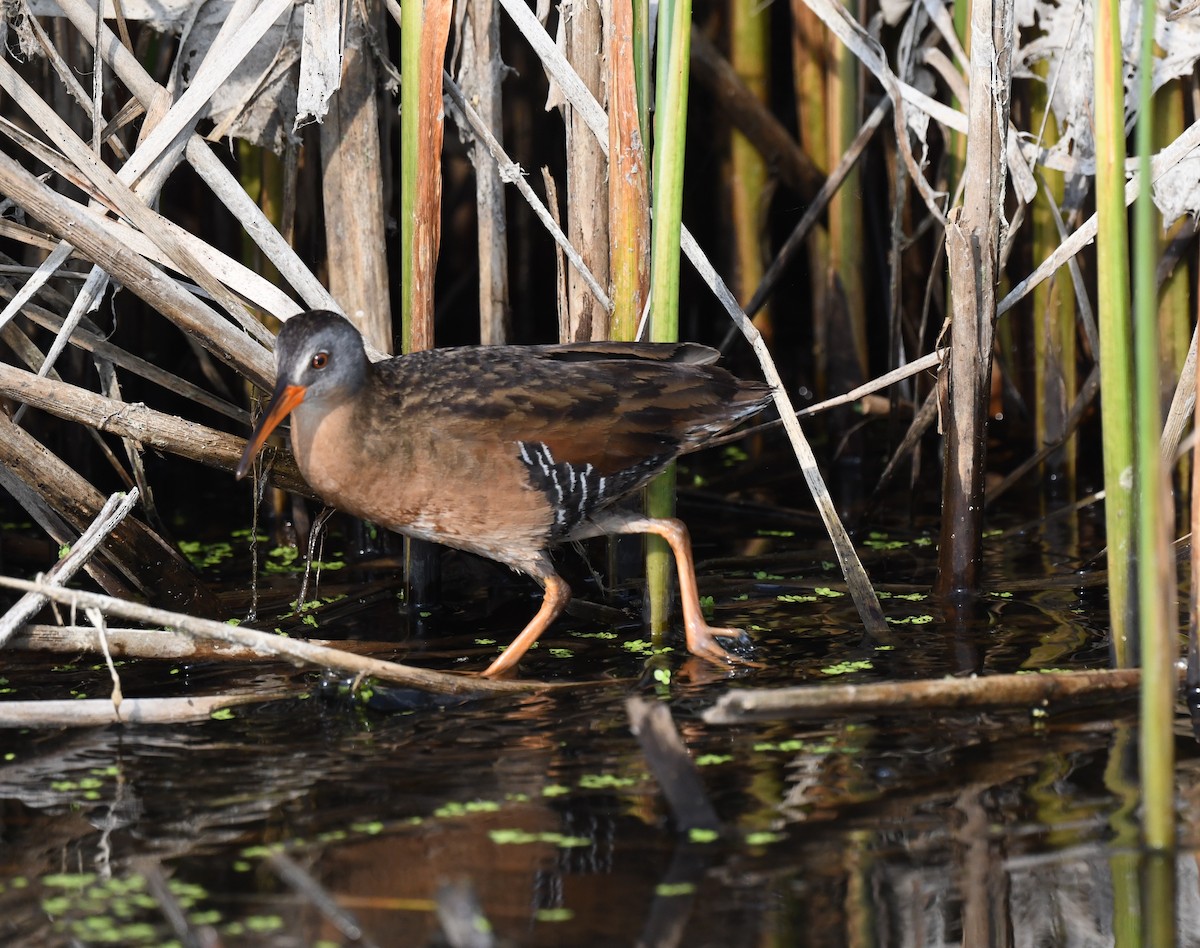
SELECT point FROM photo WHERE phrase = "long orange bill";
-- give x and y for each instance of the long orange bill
(285, 398)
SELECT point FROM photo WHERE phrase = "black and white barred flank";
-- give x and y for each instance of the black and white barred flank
(577, 492)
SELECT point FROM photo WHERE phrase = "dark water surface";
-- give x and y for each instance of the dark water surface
(330, 820)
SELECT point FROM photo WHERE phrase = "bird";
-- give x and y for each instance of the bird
(504, 451)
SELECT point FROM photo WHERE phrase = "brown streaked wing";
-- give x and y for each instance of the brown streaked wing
(610, 412)
(680, 353)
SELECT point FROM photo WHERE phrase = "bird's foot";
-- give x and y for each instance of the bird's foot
(704, 642)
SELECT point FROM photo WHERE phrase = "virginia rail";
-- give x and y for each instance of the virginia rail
(503, 451)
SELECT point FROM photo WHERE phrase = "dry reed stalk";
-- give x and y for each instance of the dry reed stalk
(973, 246)
(160, 145)
(161, 644)
(481, 76)
(101, 712)
(988, 691)
(352, 192)
(581, 29)
(421, 132)
(628, 178)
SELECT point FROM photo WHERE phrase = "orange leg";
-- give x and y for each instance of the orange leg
(701, 637)
(558, 594)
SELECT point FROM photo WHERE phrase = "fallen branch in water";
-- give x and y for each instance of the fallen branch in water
(990, 691)
(162, 644)
(97, 712)
(296, 651)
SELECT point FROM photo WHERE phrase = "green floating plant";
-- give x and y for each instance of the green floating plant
(520, 837)
(206, 555)
(910, 620)
(849, 667)
(764, 838)
(554, 915)
(605, 782)
(456, 809)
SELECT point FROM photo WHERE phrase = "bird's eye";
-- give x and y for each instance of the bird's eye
(320, 360)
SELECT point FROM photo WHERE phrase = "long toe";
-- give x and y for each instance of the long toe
(735, 642)
(705, 642)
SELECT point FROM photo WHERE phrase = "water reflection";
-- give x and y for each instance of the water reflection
(873, 832)
(300, 821)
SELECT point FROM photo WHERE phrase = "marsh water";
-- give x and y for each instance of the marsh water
(381, 817)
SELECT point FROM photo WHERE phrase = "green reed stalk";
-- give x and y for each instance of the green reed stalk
(1112, 279)
(411, 17)
(670, 128)
(1155, 563)
(641, 64)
